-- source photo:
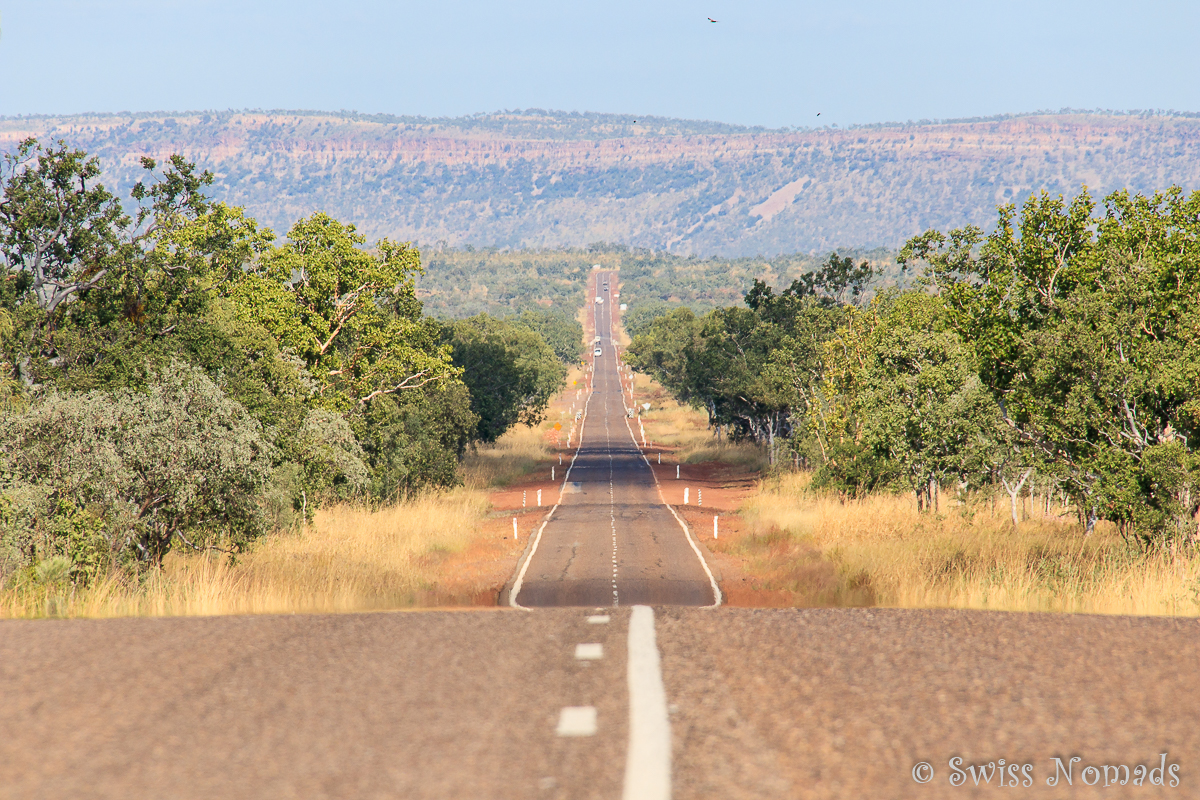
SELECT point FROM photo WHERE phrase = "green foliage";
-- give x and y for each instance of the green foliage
(179, 460)
(415, 440)
(353, 316)
(740, 367)
(1086, 328)
(638, 319)
(1065, 343)
(510, 371)
(61, 231)
(900, 400)
(563, 333)
(172, 375)
(460, 283)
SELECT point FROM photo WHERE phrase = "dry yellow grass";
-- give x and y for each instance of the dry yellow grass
(972, 559)
(351, 558)
(685, 430)
(513, 456)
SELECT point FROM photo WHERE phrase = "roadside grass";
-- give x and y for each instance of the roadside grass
(886, 553)
(351, 558)
(801, 546)
(685, 430)
(514, 455)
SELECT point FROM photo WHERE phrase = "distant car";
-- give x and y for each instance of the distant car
(597, 352)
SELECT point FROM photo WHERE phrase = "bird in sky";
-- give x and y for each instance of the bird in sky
(818, 113)
(710, 19)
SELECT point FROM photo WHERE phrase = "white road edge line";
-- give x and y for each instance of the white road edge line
(648, 760)
(516, 588)
(686, 531)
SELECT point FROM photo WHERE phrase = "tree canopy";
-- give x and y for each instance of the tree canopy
(174, 376)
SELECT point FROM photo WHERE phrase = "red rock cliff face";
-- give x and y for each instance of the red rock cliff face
(691, 192)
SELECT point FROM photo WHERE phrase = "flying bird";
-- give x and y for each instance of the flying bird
(710, 19)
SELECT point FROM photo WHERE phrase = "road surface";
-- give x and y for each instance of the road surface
(762, 703)
(611, 540)
(606, 701)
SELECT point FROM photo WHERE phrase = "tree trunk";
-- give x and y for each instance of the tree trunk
(1013, 491)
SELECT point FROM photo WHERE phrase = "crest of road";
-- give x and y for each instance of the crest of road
(639, 703)
(611, 539)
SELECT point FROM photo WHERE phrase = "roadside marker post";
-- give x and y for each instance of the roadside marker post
(540, 496)
(676, 472)
(699, 497)
(552, 474)
(685, 495)
(714, 526)
(524, 502)
(660, 458)
(515, 535)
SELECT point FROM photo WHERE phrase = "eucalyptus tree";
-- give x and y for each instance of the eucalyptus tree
(125, 475)
(510, 370)
(1086, 327)
(351, 315)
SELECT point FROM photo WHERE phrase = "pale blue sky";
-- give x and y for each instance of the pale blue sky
(767, 63)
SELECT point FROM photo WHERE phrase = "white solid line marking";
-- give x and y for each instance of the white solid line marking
(577, 721)
(598, 619)
(648, 761)
(516, 590)
(686, 532)
(590, 651)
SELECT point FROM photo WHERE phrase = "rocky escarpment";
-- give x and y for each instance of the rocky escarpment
(540, 179)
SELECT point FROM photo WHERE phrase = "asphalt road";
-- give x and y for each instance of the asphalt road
(761, 703)
(611, 540)
(601, 701)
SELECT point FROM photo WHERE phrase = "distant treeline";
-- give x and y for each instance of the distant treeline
(173, 376)
(1059, 354)
(460, 282)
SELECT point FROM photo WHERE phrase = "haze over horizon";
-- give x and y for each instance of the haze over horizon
(772, 64)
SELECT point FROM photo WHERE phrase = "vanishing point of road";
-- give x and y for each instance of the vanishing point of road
(637, 685)
(645, 553)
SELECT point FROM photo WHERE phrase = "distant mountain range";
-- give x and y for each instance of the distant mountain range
(549, 179)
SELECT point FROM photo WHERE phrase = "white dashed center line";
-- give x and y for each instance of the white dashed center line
(591, 651)
(577, 721)
(612, 508)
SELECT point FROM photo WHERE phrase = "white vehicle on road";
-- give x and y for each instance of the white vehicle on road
(597, 351)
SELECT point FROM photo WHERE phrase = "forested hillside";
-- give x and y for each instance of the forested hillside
(545, 179)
